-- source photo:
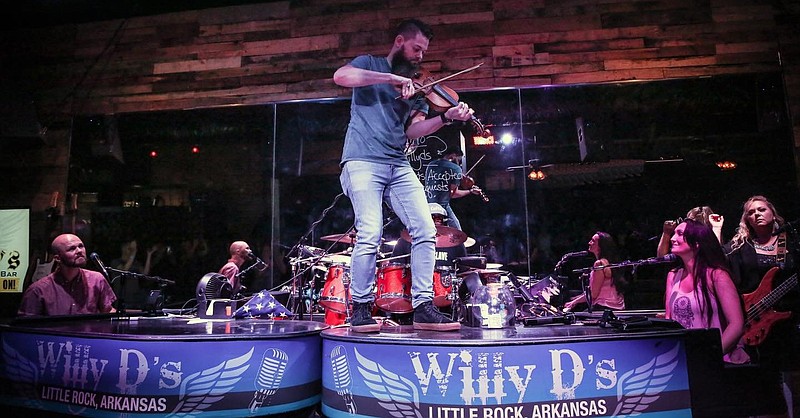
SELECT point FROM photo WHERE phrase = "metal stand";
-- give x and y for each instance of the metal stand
(587, 291)
(123, 275)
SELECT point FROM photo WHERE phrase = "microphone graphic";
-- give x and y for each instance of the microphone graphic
(96, 259)
(273, 364)
(341, 377)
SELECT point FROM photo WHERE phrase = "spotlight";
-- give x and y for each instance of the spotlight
(195, 150)
(153, 154)
(507, 139)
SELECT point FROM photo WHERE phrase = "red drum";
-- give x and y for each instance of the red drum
(393, 288)
(334, 318)
(443, 286)
(334, 295)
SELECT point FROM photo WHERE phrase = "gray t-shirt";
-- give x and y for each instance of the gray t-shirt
(376, 132)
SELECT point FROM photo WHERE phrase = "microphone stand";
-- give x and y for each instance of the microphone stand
(241, 274)
(295, 298)
(124, 274)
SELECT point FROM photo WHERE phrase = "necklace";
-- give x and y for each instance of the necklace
(769, 247)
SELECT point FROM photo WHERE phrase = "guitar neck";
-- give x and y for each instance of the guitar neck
(774, 296)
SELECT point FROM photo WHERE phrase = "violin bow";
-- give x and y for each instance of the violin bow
(445, 78)
(474, 165)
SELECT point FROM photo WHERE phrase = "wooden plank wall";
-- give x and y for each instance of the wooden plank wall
(288, 50)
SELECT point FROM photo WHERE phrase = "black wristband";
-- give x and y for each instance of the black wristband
(445, 121)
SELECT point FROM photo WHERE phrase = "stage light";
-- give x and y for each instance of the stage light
(480, 140)
(195, 150)
(153, 154)
(726, 165)
(537, 175)
(507, 139)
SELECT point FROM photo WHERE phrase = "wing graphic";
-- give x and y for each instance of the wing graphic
(22, 374)
(639, 388)
(396, 394)
(202, 389)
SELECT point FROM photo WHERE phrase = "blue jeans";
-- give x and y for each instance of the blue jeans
(452, 220)
(369, 184)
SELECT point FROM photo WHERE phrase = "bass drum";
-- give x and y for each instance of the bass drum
(443, 278)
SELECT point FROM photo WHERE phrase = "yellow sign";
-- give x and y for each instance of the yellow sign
(14, 249)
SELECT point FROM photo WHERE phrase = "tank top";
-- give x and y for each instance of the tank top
(687, 307)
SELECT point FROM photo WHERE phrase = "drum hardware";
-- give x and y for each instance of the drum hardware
(296, 303)
(397, 257)
(469, 262)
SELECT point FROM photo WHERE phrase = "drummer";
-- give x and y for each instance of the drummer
(444, 254)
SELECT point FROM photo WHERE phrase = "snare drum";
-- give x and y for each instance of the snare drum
(393, 288)
(334, 295)
(443, 286)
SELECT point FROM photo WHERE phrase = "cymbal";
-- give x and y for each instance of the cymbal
(349, 238)
(446, 236)
(336, 259)
(469, 242)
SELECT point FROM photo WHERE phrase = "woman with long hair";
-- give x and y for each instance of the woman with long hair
(760, 243)
(700, 292)
(606, 285)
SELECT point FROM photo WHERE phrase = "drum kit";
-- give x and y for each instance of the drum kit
(324, 279)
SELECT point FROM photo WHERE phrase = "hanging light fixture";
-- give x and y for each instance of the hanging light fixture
(537, 174)
(726, 164)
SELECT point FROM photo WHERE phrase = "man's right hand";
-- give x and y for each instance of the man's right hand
(404, 85)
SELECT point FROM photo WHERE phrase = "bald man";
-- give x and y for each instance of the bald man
(240, 252)
(69, 289)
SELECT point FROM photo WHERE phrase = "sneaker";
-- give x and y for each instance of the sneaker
(362, 321)
(427, 317)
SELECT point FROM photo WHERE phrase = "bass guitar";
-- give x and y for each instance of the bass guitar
(759, 314)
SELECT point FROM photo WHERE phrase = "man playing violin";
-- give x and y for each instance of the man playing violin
(442, 179)
(375, 169)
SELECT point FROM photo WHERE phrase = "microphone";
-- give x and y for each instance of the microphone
(341, 377)
(788, 226)
(269, 376)
(96, 259)
(576, 254)
(569, 255)
(669, 258)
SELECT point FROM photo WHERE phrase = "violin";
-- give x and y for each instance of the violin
(440, 98)
(468, 182)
